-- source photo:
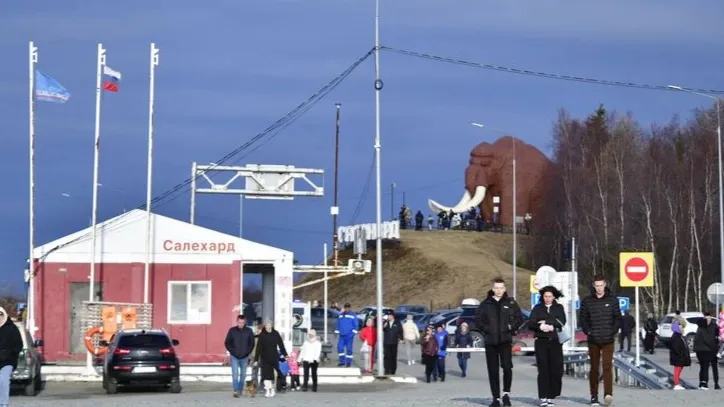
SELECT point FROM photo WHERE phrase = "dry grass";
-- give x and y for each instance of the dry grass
(441, 267)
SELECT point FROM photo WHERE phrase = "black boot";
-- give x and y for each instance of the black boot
(428, 378)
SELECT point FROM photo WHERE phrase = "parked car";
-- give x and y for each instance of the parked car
(423, 320)
(411, 308)
(692, 318)
(443, 314)
(141, 356)
(370, 312)
(317, 319)
(27, 374)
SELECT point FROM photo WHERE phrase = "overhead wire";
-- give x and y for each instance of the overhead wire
(547, 75)
(363, 197)
(267, 134)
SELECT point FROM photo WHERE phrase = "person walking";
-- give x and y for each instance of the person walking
(679, 354)
(254, 365)
(600, 319)
(499, 317)
(706, 345)
(268, 347)
(428, 344)
(547, 319)
(441, 336)
(628, 324)
(11, 344)
(650, 328)
(309, 355)
(410, 335)
(368, 336)
(463, 339)
(392, 338)
(347, 325)
(239, 343)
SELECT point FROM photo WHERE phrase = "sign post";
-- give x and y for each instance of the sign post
(636, 270)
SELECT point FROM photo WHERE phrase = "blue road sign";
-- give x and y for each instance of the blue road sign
(534, 299)
(624, 303)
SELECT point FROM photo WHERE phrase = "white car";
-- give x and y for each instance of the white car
(692, 319)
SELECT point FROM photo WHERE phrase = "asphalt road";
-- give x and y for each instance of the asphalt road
(454, 392)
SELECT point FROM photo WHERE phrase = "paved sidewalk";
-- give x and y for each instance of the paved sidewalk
(455, 392)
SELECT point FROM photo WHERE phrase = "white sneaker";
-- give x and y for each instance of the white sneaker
(679, 387)
(703, 387)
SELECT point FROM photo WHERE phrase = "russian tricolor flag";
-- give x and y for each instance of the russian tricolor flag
(111, 79)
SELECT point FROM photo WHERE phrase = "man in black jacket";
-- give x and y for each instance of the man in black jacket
(392, 336)
(628, 325)
(499, 317)
(239, 343)
(11, 344)
(650, 327)
(706, 344)
(600, 319)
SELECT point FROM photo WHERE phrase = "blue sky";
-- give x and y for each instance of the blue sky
(230, 68)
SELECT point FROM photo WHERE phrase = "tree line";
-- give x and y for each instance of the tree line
(622, 186)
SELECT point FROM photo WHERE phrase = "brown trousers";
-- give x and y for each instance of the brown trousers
(601, 354)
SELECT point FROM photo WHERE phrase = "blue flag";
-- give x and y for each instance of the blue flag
(47, 89)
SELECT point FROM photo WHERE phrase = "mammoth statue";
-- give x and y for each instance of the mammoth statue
(490, 173)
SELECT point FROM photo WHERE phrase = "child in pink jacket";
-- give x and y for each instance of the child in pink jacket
(293, 361)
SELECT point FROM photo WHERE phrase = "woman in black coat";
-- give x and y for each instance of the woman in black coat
(268, 347)
(706, 345)
(547, 319)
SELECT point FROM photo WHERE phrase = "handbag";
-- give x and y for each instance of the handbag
(563, 335)
(365, 347)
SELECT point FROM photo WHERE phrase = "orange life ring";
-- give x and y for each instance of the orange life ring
(100, 350)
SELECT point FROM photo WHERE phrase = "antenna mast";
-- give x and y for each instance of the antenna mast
(378, 148)
(335, 208)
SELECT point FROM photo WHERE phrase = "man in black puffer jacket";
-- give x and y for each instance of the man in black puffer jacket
(499, 318)
(11, 344)
(600, 318)
(239, 343)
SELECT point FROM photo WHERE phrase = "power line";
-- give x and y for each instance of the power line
(269, 133)
(363, 197)
(547, 75)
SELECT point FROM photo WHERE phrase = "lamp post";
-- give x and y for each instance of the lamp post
(721, 192)
(515, 214)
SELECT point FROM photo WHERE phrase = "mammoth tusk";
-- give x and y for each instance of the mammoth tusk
(437, 208)
(464, 205)
(476, 200)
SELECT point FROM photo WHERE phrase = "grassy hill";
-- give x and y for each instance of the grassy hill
(437, 269)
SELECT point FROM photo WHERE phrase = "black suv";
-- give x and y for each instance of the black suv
(139, 356)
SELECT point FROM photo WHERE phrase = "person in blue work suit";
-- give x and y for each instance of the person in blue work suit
(347, 325)
(441, 336)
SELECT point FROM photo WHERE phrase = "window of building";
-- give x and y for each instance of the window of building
(189, 302)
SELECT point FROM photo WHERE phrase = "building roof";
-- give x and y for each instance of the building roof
(123, 240)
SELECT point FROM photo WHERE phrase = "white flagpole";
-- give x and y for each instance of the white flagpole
(33, 59)
(94, 215)
(149, 181)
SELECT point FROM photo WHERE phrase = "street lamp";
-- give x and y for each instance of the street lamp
(721, 193)
(515, 214)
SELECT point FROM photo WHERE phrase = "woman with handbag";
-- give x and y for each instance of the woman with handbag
(547, 320)
(368, 336)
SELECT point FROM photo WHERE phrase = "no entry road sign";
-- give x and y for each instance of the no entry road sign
(636, 269)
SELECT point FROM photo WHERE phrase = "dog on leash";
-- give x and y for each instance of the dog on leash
(250, 388)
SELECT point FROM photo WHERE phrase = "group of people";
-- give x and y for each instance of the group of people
(708, 346)
(264, 348)
(499, 318)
